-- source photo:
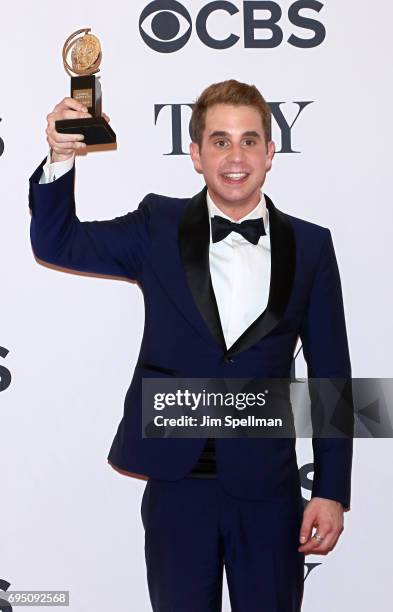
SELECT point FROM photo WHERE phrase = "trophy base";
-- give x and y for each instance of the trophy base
(96, 130)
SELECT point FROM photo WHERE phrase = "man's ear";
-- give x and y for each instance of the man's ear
(271, 150)
(196, 160)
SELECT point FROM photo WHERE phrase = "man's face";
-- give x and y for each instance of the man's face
(234, 157)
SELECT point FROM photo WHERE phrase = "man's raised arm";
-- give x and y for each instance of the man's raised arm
(116, 247)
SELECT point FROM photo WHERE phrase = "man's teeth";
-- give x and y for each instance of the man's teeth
(235, 175)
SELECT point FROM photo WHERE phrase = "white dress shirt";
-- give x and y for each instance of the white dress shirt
(53, 171)
(240, 270)
(240, 273)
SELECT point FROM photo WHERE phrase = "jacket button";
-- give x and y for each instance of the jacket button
(228, 359)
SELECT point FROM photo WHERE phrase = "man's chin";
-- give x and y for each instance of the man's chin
(237, 195)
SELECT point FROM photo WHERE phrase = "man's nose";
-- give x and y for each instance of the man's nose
(236, 153)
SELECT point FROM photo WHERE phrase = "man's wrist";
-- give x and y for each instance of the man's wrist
(56, 158)
(56, 169)
(336, 501)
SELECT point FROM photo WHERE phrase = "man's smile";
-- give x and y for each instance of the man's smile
(235, 178)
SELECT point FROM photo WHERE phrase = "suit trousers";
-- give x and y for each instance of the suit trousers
(193, 528)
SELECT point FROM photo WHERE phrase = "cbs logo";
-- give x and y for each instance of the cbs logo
(166, 25)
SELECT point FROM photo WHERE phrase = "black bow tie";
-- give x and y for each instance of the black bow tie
(251, 229)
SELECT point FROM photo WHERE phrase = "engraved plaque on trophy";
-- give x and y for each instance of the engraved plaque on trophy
(85, 51)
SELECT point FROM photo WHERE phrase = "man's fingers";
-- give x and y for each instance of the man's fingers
(58, 137)
(316, 546)
(65, 148)
(70, 114)
(327, 545)
(65, 144)
(67, 110)
(335, 536)
(326, 516)
(70, 103)
(313, 544)
(306, 528)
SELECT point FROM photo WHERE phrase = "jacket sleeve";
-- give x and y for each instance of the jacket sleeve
(325, 348)
(116, 247)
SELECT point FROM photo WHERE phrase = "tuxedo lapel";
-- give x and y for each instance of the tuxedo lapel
(283, 262)
(194, 240)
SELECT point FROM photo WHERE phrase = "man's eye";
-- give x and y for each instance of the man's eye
(250, 142)
(221, 143)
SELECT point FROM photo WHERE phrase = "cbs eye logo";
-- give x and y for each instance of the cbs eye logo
(163, 18)
(166, 25)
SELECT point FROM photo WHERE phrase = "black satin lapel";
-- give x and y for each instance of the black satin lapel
(283, 263)
(194, 240)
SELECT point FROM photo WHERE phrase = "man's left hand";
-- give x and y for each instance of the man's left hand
(327, 516)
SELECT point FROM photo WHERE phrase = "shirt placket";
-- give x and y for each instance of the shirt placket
(233, 309)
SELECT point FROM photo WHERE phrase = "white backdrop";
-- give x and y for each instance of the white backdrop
(70, 342)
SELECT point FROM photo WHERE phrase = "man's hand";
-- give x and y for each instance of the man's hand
(327, 516)
(63, 146)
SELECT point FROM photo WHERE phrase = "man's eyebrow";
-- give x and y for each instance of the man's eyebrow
(252, 133)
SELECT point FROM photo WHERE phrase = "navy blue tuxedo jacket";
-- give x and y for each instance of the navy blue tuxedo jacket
(164, 246)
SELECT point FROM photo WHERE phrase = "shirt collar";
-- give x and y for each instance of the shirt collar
(260, 210)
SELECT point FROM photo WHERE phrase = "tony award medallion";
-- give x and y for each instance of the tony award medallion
(85, 51)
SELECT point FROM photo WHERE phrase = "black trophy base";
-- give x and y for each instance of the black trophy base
(96, 130)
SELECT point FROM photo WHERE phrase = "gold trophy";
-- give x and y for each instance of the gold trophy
(85, 51)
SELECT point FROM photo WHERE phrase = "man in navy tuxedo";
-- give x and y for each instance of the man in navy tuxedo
(230, 283)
